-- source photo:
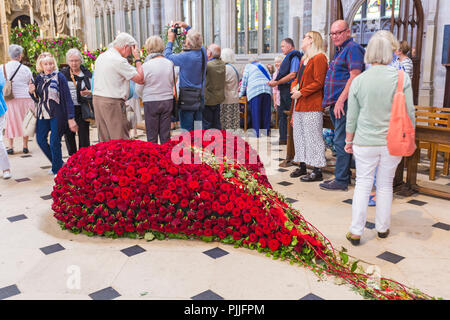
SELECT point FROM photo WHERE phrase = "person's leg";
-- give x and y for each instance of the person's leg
(367, 159)
(285, 104)
(187, 120)
(55, 146)
(71, 144)
(42, 130)
(299, 145)
(84, 140)
(385, 177)
(255, 110)
(266, 112)
(99, 106)
(343, 159)
(151, 119)
(207, 117)
(164, 121)
(4, 161)
(115, 119)
(216, 117)
(25, 142)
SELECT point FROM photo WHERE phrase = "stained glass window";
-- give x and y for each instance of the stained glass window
(240, 9)
(253, 26)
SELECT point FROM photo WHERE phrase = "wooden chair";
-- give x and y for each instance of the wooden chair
(243, 100)
(434, 117)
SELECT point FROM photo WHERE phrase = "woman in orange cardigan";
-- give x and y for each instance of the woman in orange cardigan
(307, 117)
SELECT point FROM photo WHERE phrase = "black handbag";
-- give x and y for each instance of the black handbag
(191, 98)
(87, 110)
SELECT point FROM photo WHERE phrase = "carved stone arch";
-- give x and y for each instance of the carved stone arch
(353, 10)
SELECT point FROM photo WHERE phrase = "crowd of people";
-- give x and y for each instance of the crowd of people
(204, 85)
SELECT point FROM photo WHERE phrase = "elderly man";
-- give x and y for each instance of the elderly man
(286, 74)
(192, 62)
(348, 62)
(112, 87)
(214, 88)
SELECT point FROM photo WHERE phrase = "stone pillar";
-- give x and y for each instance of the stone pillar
(155, 8)
(4, 31)
(426, 89)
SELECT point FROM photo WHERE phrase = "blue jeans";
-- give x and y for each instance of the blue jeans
(260, 110)
(211, 117)
(342, 171)
(53, 151)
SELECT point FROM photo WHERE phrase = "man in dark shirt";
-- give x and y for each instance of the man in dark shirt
(348, 63)
(287, 73)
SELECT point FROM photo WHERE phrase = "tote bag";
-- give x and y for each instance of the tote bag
(401, 137)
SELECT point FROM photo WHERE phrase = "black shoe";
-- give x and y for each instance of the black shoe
(354, 241)
(383, 235)
(298, 173)
(10, 151)
(25, 150)
(333, 186)
(282, 142)
(313, 176)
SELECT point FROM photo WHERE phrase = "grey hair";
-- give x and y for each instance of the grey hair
(389, 36)
(74, 52)
(194, 39)
(124, 39)
(15, 51)
(253, 59)
(379, 50)
(228, 56)
(215, 50)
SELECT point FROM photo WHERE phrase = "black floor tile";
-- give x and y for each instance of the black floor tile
(132, 251)
(391, 257)
(417, 202)
(17, 218)
(290, 200)
(285, 183)
(47, 197)
(52, 249)
(207, 295)
(279, 159)
(9, 291)
(216, 253)
(23, 180)
(442, 226)
(370, 225)
(349, 201)
(311, 296)
(46, 167)
(105, 294)
(282, 170)
(26, 156)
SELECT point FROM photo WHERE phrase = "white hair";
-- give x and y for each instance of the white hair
(389, 36)
(215, 50)
(15, 51)
(379, 50)
(74, 52)
(124, 39)
(228, 56)
(194, 39)
(253, 59)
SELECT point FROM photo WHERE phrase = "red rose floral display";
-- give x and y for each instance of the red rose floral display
(198, 186)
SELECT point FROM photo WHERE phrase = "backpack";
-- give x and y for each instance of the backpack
(7, 89)
(401, 139)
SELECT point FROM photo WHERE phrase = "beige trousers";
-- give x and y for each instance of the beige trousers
(111, 119)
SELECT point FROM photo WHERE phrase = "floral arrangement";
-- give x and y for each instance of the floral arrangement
(28, 38)
(179, 40)
(199, 185)
(90, 57)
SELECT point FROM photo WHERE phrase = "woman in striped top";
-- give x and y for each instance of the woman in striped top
(405, 61)
(55, 111)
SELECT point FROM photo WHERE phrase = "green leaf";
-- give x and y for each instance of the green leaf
(149, 236)
(344, 257)
(354, 265)
(207, 239)
(294, 241)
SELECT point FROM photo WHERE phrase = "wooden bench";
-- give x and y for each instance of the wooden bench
(434, 117)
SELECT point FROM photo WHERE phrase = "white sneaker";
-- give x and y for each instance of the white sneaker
(7, 175)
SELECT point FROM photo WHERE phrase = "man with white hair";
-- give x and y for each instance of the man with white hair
(112, 87)
(214, 88)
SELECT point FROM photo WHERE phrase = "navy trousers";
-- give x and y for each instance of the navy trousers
(260, 109)
(53, 150)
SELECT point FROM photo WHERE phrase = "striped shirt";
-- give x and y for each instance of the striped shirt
(254, 82)
(349, 56)
(408, 66)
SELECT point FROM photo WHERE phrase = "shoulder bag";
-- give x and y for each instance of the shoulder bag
(87, 109)
(29, 123)
(191, 98)
(7, 89)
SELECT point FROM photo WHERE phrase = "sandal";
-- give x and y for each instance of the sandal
(355, 240)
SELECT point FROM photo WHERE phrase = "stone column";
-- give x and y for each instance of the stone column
(426, 89)
(4, 31)
(155, 8)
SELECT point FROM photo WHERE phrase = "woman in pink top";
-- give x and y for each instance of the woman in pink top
(276, 91)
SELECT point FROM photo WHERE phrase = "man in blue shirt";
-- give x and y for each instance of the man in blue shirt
(190, 63)
(287, 73)
(348, 63)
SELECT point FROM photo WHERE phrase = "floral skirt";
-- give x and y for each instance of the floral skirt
(230, 116)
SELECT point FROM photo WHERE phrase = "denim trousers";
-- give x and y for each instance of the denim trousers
(369, 159)
(211, 117)
(342, 171)
(53, 150)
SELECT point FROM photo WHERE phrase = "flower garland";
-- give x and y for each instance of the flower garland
(189, 190)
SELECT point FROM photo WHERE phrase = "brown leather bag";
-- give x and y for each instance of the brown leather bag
(7, 89)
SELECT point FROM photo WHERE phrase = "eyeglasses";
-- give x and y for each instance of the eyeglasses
(336, 34)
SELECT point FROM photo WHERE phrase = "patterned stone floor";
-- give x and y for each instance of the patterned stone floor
(38, 260)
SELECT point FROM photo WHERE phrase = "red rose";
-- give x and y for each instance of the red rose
(129, 227)
(152, 189)
(131, 171)
(253, 237)
(100, 229)
(208, 232)
(126, 193)
(236, 236)
(247, 218)
(123, 181)
(174, 199)
(262, 242)
(112, 203)
(243, 229)
(146, 177)
(184, 203)
(274, 244)
(286, 239)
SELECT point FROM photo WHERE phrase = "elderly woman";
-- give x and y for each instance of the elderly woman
(229, 110)
(259, 94)
(307, 118)
(368, 115)
(4, 162)
(79, 81)
(55, 112)
(191, 61)
(157, 91)
(20, 76)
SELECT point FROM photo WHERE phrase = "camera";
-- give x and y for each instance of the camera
(176, 29)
